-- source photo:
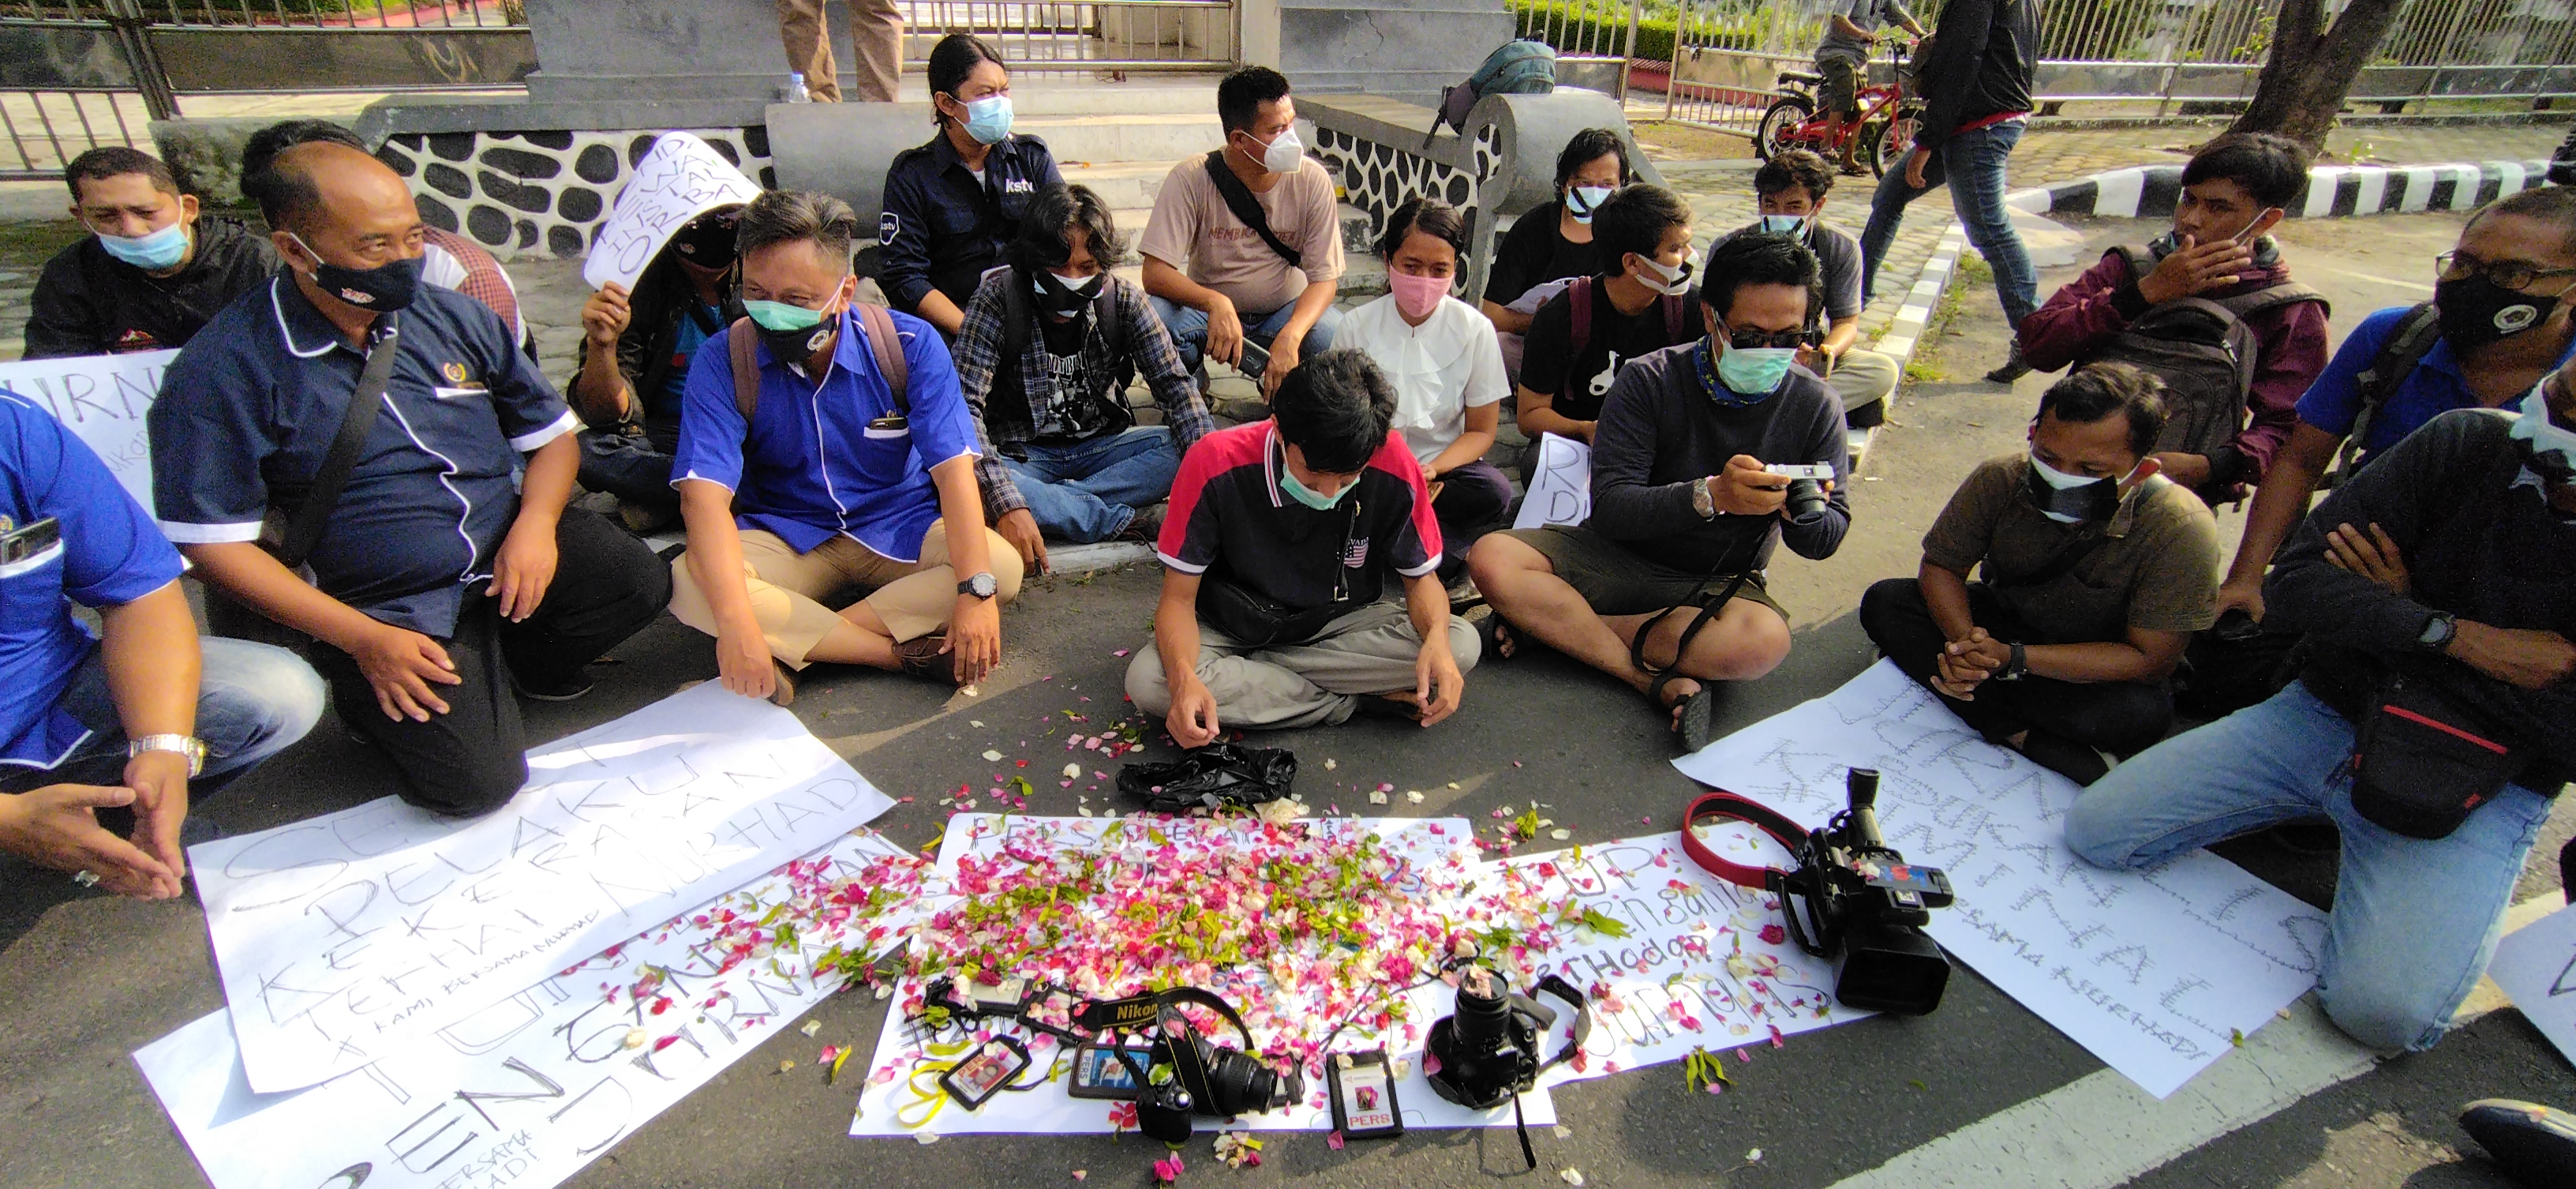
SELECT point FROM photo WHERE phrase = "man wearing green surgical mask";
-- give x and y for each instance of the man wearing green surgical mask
(150, 273)
(1664, 587)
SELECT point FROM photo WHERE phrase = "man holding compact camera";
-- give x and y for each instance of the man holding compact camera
(2097, 571)
(1705, 457)
(2433, 719)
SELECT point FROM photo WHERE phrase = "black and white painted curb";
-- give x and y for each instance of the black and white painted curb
(1905, 332)
(2334, 191)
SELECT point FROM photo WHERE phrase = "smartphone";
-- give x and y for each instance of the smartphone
(993, 1067)
(1098, 1073)
(1800, 470)
(1363, 1095)
(1256, 360)
(32, 546)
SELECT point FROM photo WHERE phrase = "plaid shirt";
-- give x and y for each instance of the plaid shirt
(978, 352)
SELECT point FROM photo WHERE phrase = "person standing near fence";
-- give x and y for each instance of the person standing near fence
(1842, 63)
(1977, 88)
(876, 37)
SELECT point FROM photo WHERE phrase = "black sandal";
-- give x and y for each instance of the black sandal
(1697, 721)
(1490, 634)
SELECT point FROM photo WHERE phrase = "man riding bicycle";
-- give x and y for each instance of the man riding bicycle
(1843, 58)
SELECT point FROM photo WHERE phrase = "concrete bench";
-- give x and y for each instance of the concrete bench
(1503, 165)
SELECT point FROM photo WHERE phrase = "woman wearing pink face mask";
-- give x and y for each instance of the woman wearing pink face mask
(1447, 368)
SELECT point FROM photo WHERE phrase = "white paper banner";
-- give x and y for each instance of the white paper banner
(1694, 969)
(346, 938)
(679, 179)
(528, 1091)
(1560, 486)
(103, 399)
(2154, 972)
(2536, 964)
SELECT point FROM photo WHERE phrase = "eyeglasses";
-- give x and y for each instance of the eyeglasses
(1755, 340)
(2516, 275)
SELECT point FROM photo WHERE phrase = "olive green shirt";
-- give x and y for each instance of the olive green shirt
(2156, 568)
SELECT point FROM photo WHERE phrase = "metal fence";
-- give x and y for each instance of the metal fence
(1141, 35)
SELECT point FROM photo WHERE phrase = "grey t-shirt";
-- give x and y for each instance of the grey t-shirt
(1869, 15)
(1837, 258)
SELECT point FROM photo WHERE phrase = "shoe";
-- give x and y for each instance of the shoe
(1867, 416)
(2533, 1144)
(571, 688)
(1147, 526)
(782, 694)
(920, 657)
(1463, 595)
(644, 521)
(2064, 756)
(2013, 368)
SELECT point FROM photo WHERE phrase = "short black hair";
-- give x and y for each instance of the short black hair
(783, 216)
(1239, 96)
(116, 161)
(1794, 167)
(2548, 204)
(1586, 147)
(2098, 390)
(1335, 409)
(1431, 217)
(1634, 219)
(1046, 231)
(1759, 258)
(953, 60)
(2272, 168)
(287, 195)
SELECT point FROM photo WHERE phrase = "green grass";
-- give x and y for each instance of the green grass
(1925, 367)
(25, 247)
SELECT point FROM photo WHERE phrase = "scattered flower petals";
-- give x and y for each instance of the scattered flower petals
(635, 1038)
(1329, 765)
(1560, 835)
(1571, 1176)
(1413, 795)
(1072, 772)
(811, 1027)
(924, 1138)
(991, 756)
(1564, 1132)
(1753, 1157)
(1084, 1174)
(1333, 1141)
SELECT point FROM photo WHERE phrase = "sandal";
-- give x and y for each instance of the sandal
(782, 694)
(1698, 718)
(921, 657)
(1491, 634)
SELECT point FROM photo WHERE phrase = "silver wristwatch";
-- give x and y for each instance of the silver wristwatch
(186, 745)
(1703, 500)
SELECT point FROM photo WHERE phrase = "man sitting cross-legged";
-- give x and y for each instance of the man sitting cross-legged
(2097, 571)
(1684, 515)
(1281, 539)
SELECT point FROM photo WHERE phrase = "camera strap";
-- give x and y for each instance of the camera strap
(1725, 806)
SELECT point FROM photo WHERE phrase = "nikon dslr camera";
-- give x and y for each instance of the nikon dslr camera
(1854, 900)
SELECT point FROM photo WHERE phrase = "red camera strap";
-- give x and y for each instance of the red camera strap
(1725, 806)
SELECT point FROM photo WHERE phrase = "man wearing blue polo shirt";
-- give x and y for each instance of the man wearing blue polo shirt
(826, 484)
(436, 588)
(114, 729)
(2504, 306)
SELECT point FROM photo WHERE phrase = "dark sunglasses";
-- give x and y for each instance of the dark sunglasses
(1755, 340)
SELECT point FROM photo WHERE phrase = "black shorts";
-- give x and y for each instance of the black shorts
(1840, 90)
(1614, 580)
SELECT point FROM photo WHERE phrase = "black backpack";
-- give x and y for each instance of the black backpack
(2204, 351)
(2406, 345)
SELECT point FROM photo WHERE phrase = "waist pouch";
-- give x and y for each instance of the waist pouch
(1256, 620)
(2422, 760)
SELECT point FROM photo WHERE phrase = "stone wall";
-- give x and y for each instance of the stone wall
(539, 193)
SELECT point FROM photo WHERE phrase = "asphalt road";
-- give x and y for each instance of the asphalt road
(85, 979)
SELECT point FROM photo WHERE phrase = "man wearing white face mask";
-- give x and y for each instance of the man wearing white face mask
(152, 270)
(1553, 244)
(1044, 358)
(1246, 243)
(1791, 189)
(1638, 305)
(2096, 572)
(2433, 719)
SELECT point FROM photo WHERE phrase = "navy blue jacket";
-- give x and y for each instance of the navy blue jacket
(942, 229)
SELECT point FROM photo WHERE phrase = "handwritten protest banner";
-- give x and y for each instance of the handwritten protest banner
(2155, 972)
(679, 179)
(2536, 964)
(103, 399)
(346, 938)
(1560, 486)
(526, 1092)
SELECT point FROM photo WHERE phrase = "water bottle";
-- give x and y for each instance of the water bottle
(794, 91)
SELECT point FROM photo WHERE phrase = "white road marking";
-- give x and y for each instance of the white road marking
(2373, 278)
(2101, 1130)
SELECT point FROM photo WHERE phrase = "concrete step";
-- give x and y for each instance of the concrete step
(1035, 96)
(1124, 185)
(1088, 140)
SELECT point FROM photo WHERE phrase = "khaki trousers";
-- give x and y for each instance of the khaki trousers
(1863, 377)
(876, 31)
(797, 597)
(1317, 683)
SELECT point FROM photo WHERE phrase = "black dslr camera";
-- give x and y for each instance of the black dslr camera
(1206, 1080)
(1865, 907)
(1488, 1049)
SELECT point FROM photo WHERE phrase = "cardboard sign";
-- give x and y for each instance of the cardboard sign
(679, 179)
(1560, 486)
(103, 399)
(2536, 964)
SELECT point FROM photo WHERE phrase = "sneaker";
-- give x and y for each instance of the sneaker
(571, 688)
(1147, 526)
(1463, 595)
(2530, 1142)
(2013, 368)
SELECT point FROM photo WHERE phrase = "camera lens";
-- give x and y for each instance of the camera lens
(1806, 500)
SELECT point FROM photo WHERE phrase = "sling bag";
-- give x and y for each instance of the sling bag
(1238, 198)
(291, 536)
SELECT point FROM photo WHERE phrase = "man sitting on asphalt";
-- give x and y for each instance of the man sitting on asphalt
(832, 506)
(2234, 192)
(1684, 514)
(636, 350)
(2432, 722)
(1269, 279)
(151, 270)
(1044, 357)
(1580, 339)
(2501, 317)
(437, 590)
(114, 726)
(2097, 571)
(1283, 539)
(1791, 189)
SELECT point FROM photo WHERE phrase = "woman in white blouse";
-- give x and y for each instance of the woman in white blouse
(1447, 368)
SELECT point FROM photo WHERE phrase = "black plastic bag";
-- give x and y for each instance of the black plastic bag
(1212, 777)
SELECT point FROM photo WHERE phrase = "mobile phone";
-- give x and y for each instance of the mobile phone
(1363, 1095)
(978, 1078)
(33, 541)
(1800, 470)
(1256, 360)
(1098, 1073)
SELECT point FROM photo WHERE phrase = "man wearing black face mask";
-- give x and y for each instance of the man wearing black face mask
(1044, 357)
(2097, 571)
(436, 589)
(635, 360)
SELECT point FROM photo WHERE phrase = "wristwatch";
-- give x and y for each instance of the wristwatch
(981, 586)
(1703, 501)
(186, 745)
(2439, 627)
(2016, 668)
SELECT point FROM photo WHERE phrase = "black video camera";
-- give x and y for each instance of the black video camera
(1488, 1049)
(1865, 907)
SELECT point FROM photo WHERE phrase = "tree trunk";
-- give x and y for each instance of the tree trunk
(2302, 86)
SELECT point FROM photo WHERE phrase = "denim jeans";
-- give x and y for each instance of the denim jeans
(1090, 490)
(630, 467)
(1973, 163)
(2414, 919)
(1188, 328)
(253, 701)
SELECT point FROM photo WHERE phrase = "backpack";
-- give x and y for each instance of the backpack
(2414, 335)
(1515, 68)
(2204, 351)
(879, 325)
(1578, 296)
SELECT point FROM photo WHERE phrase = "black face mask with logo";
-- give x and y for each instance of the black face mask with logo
(388, 286)
(2476, 311)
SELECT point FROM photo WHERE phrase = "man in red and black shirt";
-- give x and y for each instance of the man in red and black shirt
(1279, 547)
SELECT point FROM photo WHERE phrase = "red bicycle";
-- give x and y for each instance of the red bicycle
(1885, 128)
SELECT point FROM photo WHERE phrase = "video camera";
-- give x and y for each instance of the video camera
(1852, 899)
